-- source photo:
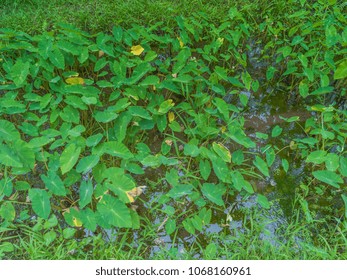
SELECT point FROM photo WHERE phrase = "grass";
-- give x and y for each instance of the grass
(293, 241)
(35, 16)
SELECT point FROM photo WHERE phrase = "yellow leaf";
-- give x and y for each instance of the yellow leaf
(168, 142)
(171, 117)
(220, 41)
(132, 194)
(223, 128)
(137, 50)
(75, 81)
(77, 222)
(101, 53)
(181, 42)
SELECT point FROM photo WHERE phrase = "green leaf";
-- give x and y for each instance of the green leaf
(180, 190)
(214, 192)
(114, 212)
(328, 177)
(262, 200)
(270, 156)
(220, 169)
(138, 111)
(57, 59)
(222, 151)
(69, 157)
(6, 247)
(86, 193)
(316, 157)
(332, 161)
(19, 72)
(116, 149)
(285, 165)
(54, 183)
(150, 80)
(105, 116)
(205, 169)
(93, 140)
(87, 163)
(88, 219)
(165, 106)
(40, 202)
(8, 157)
(276, 131)
(238, 135)
(261, 165)
(341, 71)
(170, 226)
(344, 198)
(191, 150)
(210, 251)
(8, 131)
(7, 211)
(343, 166)
(222, 107)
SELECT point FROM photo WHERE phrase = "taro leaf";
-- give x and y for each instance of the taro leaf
(54, 183)
(240, 183)
(105, 116)
(343, 166)
(210, 251)
(150, 80)
(205, 169)
(180, 190)
(170, 226)
(8, 131)
(285, 165)
(6, 247)
(222, 151)
(332, 161)
(7, 211)
(94, 140)
(328, 177)
(87, 163)
(19, 72)
(8, 157)
(165, 106)
(135, 219)
(150, 161)
(220, 169)
(88, 219)
(222, 107)
(238, 157)
(238, 135)
(57, 58)
(121, 125)
(261, 165)
(86, 193)
(69, 157)
(276, 131)
(316, 157)
(270, 156)
(139, 72)
(341, 71)
(138, 111)
(344, 198)
(188, 226)
(114, 212)
(117, 149)
(197, 222)
(214, 192)
(262, 200)
(191, 150)
(40, 202)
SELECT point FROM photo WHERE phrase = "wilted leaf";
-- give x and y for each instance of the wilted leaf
(137, 50)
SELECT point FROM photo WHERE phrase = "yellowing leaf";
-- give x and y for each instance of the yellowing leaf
(220, 41)
(181, 42)
(101, 53)
(171, 117)
(132, 194)
(137, 50)
(77, 222)
(223, 128)
(75, 81)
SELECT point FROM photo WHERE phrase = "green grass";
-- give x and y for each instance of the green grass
(36, 16)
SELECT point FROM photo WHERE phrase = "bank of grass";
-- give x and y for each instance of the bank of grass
(36, 16)
(294, 240)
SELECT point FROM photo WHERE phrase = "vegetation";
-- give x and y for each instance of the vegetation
(138, 140)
